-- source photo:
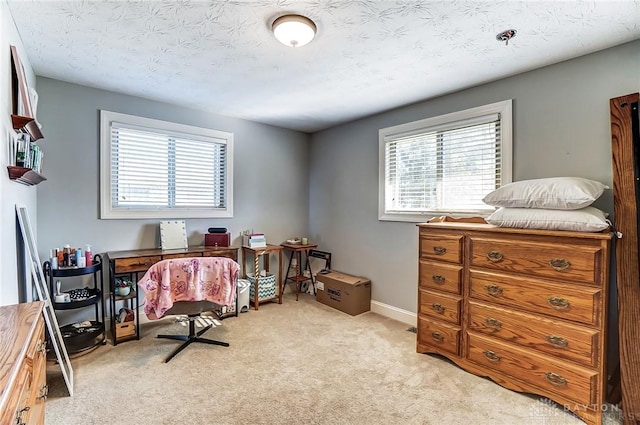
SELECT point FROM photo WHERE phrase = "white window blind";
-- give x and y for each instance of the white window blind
(444, 166)
(161, 169)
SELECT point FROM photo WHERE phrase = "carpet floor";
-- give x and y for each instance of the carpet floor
(295, 363)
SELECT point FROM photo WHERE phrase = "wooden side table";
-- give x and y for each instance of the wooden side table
(257, 253)
(297, 250)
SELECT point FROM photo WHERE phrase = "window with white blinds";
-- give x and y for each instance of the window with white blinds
(158, 169)
(444, 165)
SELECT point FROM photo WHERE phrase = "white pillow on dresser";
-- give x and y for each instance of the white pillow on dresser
(587, 219)
(557, 193)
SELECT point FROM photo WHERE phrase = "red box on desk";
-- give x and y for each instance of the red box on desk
(217, 239)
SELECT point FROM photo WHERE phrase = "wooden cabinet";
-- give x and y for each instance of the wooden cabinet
(135, 262)
(526, 308)
(23, 368)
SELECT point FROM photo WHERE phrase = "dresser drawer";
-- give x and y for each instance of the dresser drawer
(575, 303)
(439, 335)
(440, 276)
(22, 412)
(138, 264)
(558, 261)
(440, 306)
(441, 247)
(560, 339)
(37, 346)
(39, 391)
(550, 375)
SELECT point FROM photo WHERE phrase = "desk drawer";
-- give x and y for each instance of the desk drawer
(228, 253)
(182, 255)
(138, 264)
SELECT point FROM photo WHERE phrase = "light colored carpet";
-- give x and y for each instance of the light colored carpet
(295, 363)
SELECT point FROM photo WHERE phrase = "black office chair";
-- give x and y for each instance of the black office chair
(193, 310)
(189, 286)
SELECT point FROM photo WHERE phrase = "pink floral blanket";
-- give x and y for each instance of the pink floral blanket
(188, 279)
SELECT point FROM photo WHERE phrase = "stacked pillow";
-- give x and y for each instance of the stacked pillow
(556, 203)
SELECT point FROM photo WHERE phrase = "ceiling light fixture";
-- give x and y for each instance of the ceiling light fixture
(506, 36)
(294, 30)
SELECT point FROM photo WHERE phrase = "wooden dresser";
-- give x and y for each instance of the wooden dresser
(526, 308)
(22, 364)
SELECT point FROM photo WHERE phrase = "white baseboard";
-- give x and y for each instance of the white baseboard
(395, 313)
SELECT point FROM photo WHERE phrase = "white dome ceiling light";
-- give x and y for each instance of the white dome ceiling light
(294, 30)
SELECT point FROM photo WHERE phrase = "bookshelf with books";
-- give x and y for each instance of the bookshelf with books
(24, 175)
(25, 161)
(25, 157)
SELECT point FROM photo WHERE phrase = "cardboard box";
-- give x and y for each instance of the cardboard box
(217, 239)
(351, 294)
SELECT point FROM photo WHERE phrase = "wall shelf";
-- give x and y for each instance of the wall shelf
(27, 125)
(24, 175)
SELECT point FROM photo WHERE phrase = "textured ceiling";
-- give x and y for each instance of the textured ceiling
(367, 57)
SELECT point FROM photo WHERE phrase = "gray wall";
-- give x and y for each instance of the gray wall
(328, 189)
(270, 173)
(13, 269)
(561, 128)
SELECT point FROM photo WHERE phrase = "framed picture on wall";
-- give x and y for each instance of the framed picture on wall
(20, 89)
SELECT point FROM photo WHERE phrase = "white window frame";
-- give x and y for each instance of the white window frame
(106, 208)
(504, 108)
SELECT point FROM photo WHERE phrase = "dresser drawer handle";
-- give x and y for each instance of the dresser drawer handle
(495, 256)
(557, 341)
(555, 379)
(439, 250)
(437, 336)
(493, 323)
(19, 413)
(438, 278)
(494, 290)
(558, 303)
(559, 264)
(41, 347)
(44, 392)
(437, 308)
(491, 356)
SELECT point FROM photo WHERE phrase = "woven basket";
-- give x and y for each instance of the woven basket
(267, 286)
